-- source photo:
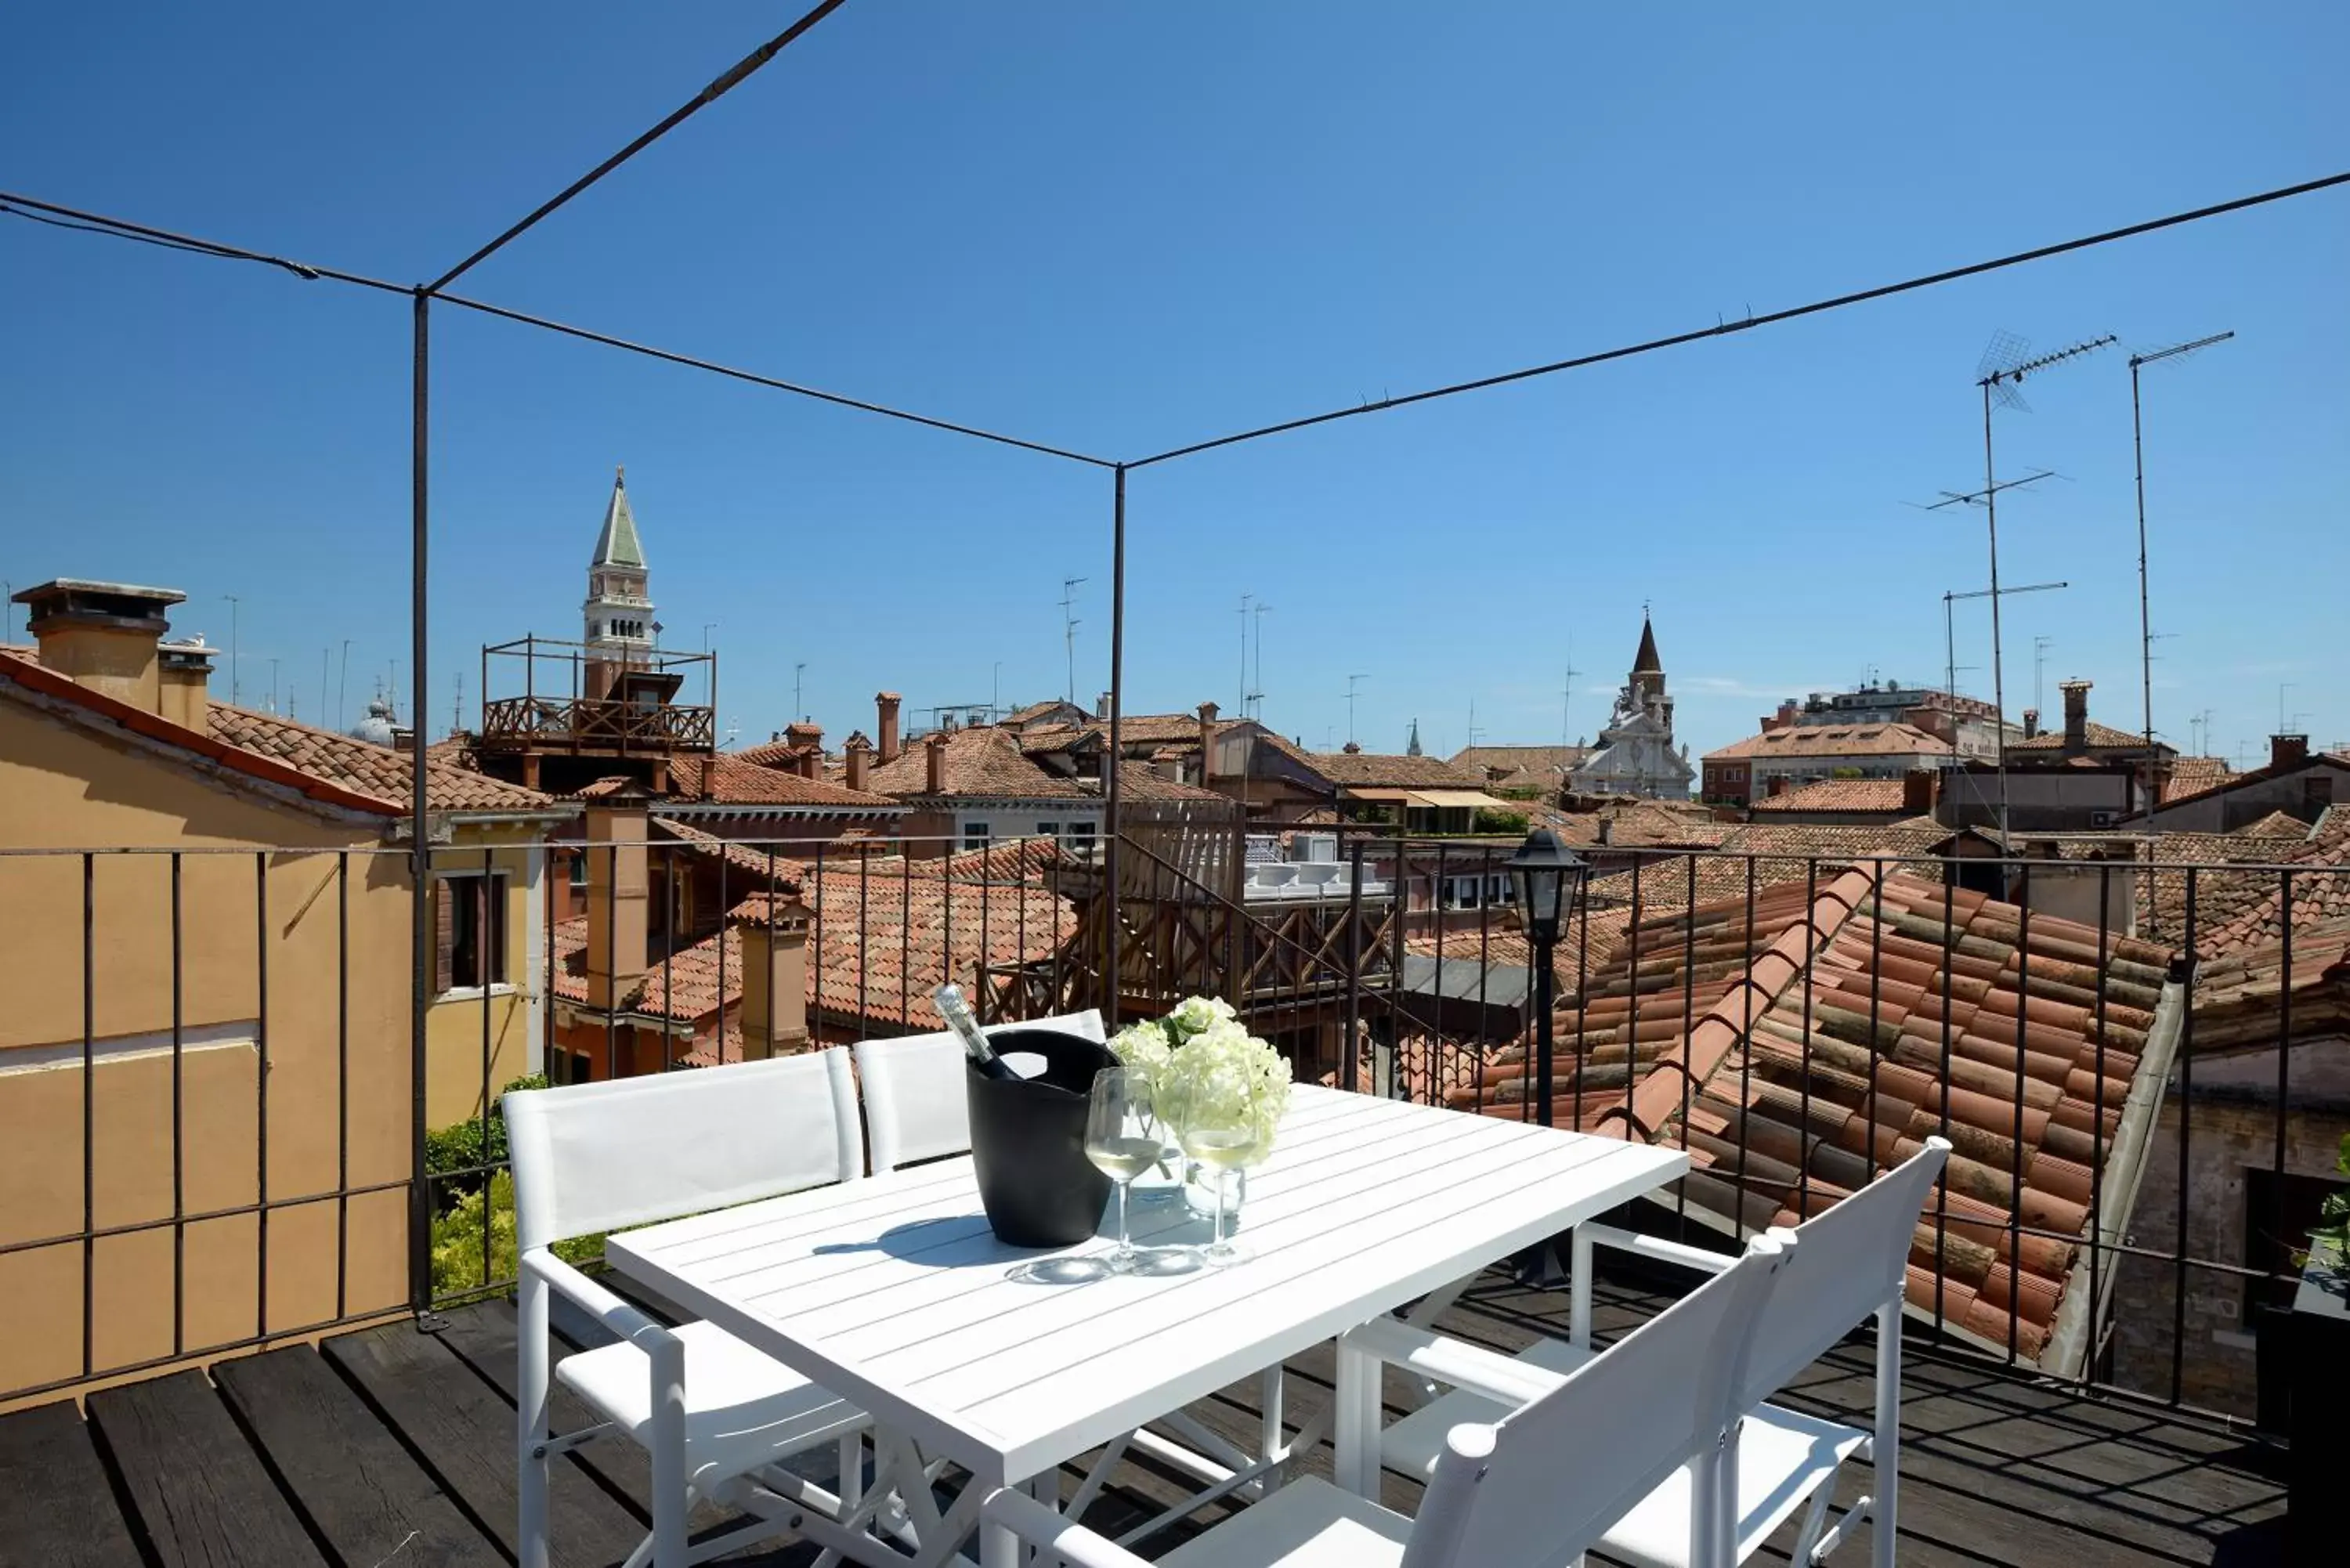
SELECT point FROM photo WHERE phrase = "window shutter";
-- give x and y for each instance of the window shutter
(444, 934)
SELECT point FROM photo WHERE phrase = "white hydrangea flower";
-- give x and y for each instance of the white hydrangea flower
(1141, 1045)
(1229, 1075)
(1197, 1014)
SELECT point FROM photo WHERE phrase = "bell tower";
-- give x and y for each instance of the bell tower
(618, 617)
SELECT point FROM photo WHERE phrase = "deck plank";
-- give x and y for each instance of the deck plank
(349, 1476)
(465, 1436)
(201, 1494)
(56, 1504)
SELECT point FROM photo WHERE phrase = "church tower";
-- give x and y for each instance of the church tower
(619, 627)
(1637, 756)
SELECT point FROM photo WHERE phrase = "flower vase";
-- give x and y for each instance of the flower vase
(1200, 1192)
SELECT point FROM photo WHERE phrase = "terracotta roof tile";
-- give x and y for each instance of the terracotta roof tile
(725, 778)
(1375, 770)
(1819, 1048)
(365, 768)
(1552, 761)
(1887, 796)
(2275, 825)
(985, 761)
(2321, 891)
(2100, 737)
(1880, 740)
(2193, 776)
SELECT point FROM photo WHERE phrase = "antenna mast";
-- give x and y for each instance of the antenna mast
(1352, 680)
(2138, 448)
(2000, 373)
(1069, 624)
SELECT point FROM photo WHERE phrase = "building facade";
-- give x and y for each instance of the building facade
(1637, 756)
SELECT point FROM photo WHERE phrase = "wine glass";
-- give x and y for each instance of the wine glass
(1222, 1131)
(1122, 1141)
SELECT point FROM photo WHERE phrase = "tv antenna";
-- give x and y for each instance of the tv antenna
(1353, 681)
(1246, 599)
(799, 675)
(1952, 667)
(1069, 624)
(2001, 375)
(1256, 625)
(2040, 647)
(2138, 448)
(1566, 697)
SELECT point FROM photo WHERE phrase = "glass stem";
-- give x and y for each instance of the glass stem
(1124, 1245)
(1219, 1206)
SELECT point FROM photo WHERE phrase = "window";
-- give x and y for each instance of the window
(1081, 830)
(975, 836)
(2317, 790)
(577, 867)
(471, 930)
(1048, 830)
(2280, 1211)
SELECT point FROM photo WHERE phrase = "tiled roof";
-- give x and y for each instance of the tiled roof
(2100, 737)
(1136, 782)
(881, 939)
(1790, 853)
(2275, 825)
(1521, 759)
(2241, 998)
(2193, 776)
(2178, 794)
(1638, 825)
(984, 760)
(1375, 770)
(2222, 894)
(367, 769)
(1797, 1057)
(775, 753)
(726, 778)
(1891, 739)
(2321, 891)
(757, 862)
(1887, 796)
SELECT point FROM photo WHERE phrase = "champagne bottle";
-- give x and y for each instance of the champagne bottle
(948, 1000)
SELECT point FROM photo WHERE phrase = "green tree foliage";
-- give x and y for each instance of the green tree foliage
(1492, 819)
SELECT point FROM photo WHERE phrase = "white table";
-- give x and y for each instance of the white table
(893, 1293)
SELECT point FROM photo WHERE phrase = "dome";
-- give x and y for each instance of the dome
(376, 728)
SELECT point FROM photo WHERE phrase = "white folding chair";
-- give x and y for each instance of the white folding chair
(1534, 1489)
(715, 1414)
(913, 1087)
(1851, 1264)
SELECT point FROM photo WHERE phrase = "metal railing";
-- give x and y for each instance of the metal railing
(215, 1100)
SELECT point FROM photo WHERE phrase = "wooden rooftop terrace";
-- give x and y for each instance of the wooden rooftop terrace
(393, 1445)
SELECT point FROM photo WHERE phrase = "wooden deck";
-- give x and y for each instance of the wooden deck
(394, 1445)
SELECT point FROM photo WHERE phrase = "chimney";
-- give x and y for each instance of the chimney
(1207, 741)
(2076, 716)
(1101, 708)
(885, 708)
(935, 761)
(2285, 751)
(809, 761)
(774, 976)
(1775, 785)
(183, 672)
(860, 753)
(1606, 830)
(1783, 717)
(804, 733)
(103, 634)
(1351, 749)
(2031, 722)
(617, 824)
(1921, 788)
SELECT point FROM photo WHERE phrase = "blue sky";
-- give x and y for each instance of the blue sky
(1123, 227)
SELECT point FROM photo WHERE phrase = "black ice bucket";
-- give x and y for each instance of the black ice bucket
(1028, 1139)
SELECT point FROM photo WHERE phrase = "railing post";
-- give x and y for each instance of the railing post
(1350, 1071)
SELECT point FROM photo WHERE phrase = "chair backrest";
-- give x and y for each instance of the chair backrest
(1539, 1487)
(1852, 1259)
(628, 1151)
(913, 1087)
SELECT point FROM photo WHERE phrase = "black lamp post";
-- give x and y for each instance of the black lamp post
(1549, 877)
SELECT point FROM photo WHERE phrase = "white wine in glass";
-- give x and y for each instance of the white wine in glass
(1223, 1143)
(1122, 1141)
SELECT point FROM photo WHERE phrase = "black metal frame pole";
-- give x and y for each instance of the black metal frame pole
(419, 1195)
(2145, 624)
(1113, 826)
(1546, 954)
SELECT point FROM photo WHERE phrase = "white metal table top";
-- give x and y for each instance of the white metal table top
(893, 1293)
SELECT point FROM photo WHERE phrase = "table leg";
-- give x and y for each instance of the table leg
(1355, 1431)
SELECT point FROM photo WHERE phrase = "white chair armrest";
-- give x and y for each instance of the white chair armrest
(1656, 1248)
(1470, 1367)
(622, 1318)
(1059, 1535)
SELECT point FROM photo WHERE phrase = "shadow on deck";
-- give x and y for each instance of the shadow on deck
(395, 1446)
